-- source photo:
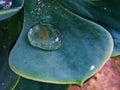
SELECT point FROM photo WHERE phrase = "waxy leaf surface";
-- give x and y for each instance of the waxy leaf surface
(85, 48)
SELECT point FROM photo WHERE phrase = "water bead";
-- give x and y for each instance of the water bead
(92, 67)
(2, 83)
(5, 4)
(45, 37)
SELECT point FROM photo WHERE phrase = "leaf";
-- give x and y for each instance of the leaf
(116, 37)
(7, 77)
(85, 48)
(16, 6)
(25, 84)
(103, 12)
(9, 30)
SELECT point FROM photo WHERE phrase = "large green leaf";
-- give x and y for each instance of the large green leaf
(16, 6)
(103, 12)
(9, 30)
(25, 84)
(85, 47)
(116, 38)
(8, 79)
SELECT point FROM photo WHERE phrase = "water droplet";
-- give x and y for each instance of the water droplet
(42, 5)
(2, 83)
(31, 11)
(39, 2)
(5, 4)
(92, 67)
(105, 8)
(44, 36)
(39, 9)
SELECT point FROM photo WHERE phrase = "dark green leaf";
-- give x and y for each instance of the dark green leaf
(85, 48)
(103, 12)
(25, 84)
(9, 30)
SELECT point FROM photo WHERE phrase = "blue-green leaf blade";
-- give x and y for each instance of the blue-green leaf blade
(85, 48)
(103, 12)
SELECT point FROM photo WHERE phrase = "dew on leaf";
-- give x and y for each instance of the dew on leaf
(105, 8)
(38, 13)
(5, 4)
(92, 67)
(39, 9)
(42, 5)
(31, 12)
(2, 83)
(45, 37)
(39, 2)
